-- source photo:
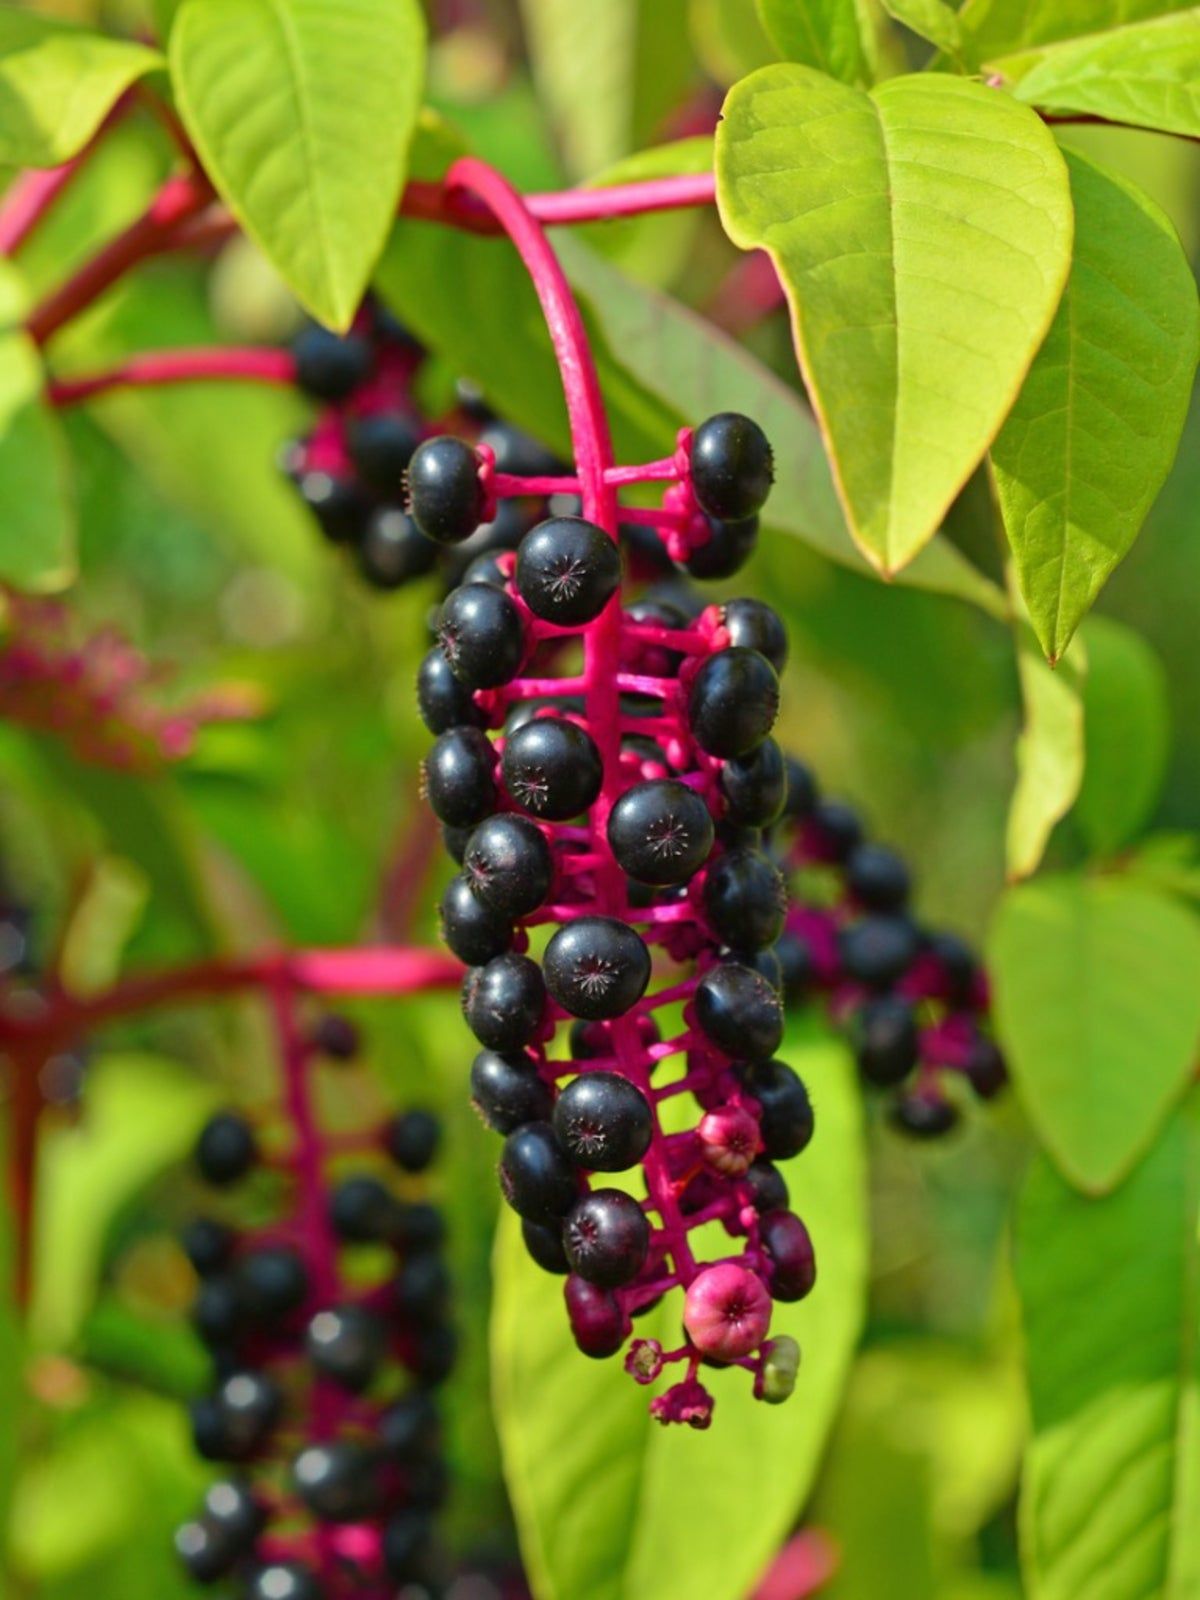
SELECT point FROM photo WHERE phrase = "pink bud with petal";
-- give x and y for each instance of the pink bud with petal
(727, 1311)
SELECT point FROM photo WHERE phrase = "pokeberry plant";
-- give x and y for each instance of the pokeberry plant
(627, 346)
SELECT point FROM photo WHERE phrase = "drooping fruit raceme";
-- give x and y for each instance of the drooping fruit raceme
(327, 1327)
(616, 912)
(913, 999)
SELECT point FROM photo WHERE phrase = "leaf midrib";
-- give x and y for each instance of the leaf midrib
(308, 137)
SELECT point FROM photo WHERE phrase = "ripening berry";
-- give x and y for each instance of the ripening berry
(544, 1241)
(733, 702)
(474, 932)
(598, 1323)
(226, 1149)
(887, 1039)
(785, 1111)
(508, 1091)
(503, 1001)
(568, 569)
(536, 1176)
(597, 967)
(445, 495)
(459, 774)
(732, 469)
(443, 701)
(481, 635)
(552, 768)
(768, 1188)
(789, 1249)
(606, 1237)
(411, 1139)
(726, 1311)
(781, 1363)
(660, 832)
(603, 1122)
(346, 1343)
(753, 625)
(745, 899)
(508, 864)
(330, 366)
(739, 1011)
(730, 1139)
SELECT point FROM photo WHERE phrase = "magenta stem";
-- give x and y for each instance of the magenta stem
(28, 199)
(154, 368)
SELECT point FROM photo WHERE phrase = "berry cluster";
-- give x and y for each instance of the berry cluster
(328, 1334)
(350, 469)
(619, 807)
(914, 999)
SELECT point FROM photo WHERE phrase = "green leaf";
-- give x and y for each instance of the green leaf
(729, 38)
(1110, 1504)
(1050, 751)
(103, 919)
(302, 114)
(609, 1503)
(1147, 75)
(57, 84)
(1097, 1005)
(696, 370)
(834, 36)
(1094, 431)
(1127, 730)
(1168, 861)
(933, 20)
(997, 27)
(37, 514)
(923, 235)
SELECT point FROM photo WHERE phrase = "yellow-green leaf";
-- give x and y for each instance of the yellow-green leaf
(933, 20)
(302, 113)
(1050, 751)
(923, 235)
(998, 27)
(1127, 734)
(834, 36)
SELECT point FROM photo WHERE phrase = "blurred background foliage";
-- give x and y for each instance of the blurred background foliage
(290, 827)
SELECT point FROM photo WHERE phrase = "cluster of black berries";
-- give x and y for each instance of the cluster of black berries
(915, 1000)
(350, 469)
(618, 804)
(328, 1332)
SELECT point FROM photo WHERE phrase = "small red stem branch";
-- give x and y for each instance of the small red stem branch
(31, 194)
(156, 368)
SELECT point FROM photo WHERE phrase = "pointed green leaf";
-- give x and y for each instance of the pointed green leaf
(1110, 1502)
(1050, 751)
(57, 84)
(37, 513)
(729, 38)
(923, 235)
(998, 27)
(609, 1503)
(1095, 428)
(1147, 75)
(1127, 733)
(933, 20)
(1098, 1008)
(834, 36)
(302, 113)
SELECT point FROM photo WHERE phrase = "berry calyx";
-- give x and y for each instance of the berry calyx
(603, 1122)
(568, 570)
(606, 1237)
(597, 967)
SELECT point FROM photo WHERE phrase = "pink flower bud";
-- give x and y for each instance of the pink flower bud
(730, 1138)
(727, 1312)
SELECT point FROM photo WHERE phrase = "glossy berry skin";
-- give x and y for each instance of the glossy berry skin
(381, 448)
(568, 569)
(923, 1116)
(208, 1245)
(793, 1265)
(285, 1580)
(474, 932)
(878, 950)
(727, 550)
(597, 1321)
(273, 1283)
(745, 899)
(481, 635)
(552, 769)
(362, 1210)
(445, 496)
(839, 827)
(606, 1237)
(336, 1481)
(503, 1001)
(247, 1407)
(536, 1176)
(393, 551)
(802, 796)
(459, 777)
(660, 832)
(739, 1010)
(768, 1187)
(412, 1138)
(346, 1344)
(596, 967)
(507, 1091)
(603, 1122)
(887, 1041)
(508, 864)
(877, 878)
(732, 469)
(755, 787)
(330, 366)
(232, 1506)
(726, 1311)
(545, 1245)
(205, 1551)
(442, 700)
(754, 625)
(341, 509)
(733, 702)
(785, 1111)
(226, 1149)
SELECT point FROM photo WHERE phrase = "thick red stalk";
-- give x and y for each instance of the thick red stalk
(158, 367)
(28, 199)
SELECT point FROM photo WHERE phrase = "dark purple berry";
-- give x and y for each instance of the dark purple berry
(336, 1036)
(459, 777)
(411, 1139)
(422, 1288)
(568, 570)
(381, 448)
(878, 950)
(924, 1115)
(518, 454)
(393, 551)
(597, 1321)
(785, 1111)
(801, 791)
(442, 700)
(838, 826)
(606, 1237)
(986, 1071)
(768, 1188)
(739, 1011)
(481, 635)
(226, 1149)
(218, 1311)
(474, 932)
(660, 832)
(208, 1245)
(341, 509)
(877, 878)
(336, 1481)
(507, 1091)
(733, 702)
(346, 1344)
(205, 1551)
(273, 1283)
(508, 865)
(887, 1040)
(753, 625)
(959, 967)
(445, 495)
(727, 549)
(363, 1211)
(545, 1245)
(745, 899)
(755, 787)
(232, 1506)
(597, 967)
(732, 469)
(603, 1122)
(330, 366)
(552, 768)
(406, 1537)
(285, 1580)
(503, 1002)
(789, 1250)
(796, 966)
(536, 1176)
(419, 1226)
(246, 1408)
(409, 1428)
